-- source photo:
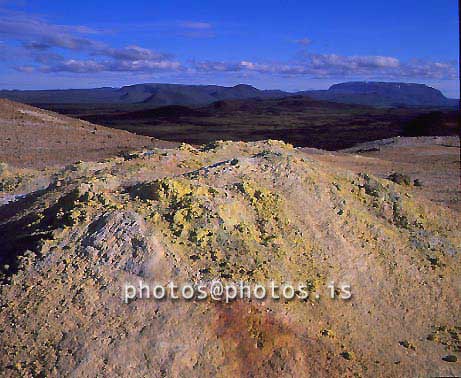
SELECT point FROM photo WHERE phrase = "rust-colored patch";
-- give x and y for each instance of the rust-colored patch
(258, 343)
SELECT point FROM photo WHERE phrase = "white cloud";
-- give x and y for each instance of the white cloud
(303, 41)
(196, 25)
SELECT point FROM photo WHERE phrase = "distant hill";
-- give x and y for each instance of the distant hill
(64, 96)
(274, 106)
(152, 95)
(384, 94)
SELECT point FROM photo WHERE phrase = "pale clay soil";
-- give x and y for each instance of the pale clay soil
(35, 138)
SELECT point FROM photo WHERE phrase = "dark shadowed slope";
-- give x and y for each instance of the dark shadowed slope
(300, 120)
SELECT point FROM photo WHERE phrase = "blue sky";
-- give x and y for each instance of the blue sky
(291, 45)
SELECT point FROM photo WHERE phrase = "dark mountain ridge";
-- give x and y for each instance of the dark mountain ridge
(152, 95)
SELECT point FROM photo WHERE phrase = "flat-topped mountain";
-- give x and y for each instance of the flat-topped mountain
(384, 94)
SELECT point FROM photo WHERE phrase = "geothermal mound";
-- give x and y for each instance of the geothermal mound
(251, 212)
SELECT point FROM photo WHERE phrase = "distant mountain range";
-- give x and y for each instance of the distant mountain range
(155, 95)
(381, 94)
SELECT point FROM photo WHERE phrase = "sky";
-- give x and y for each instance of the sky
(289, 45)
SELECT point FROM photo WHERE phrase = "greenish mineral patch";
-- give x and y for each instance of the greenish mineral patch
(407, 344)
(450, 337)
(400, 178)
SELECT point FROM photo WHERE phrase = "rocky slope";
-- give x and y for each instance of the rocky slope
(232, 211)
(36, 138)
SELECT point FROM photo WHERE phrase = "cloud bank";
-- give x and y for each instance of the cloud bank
(335, 66)
(41, 46)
